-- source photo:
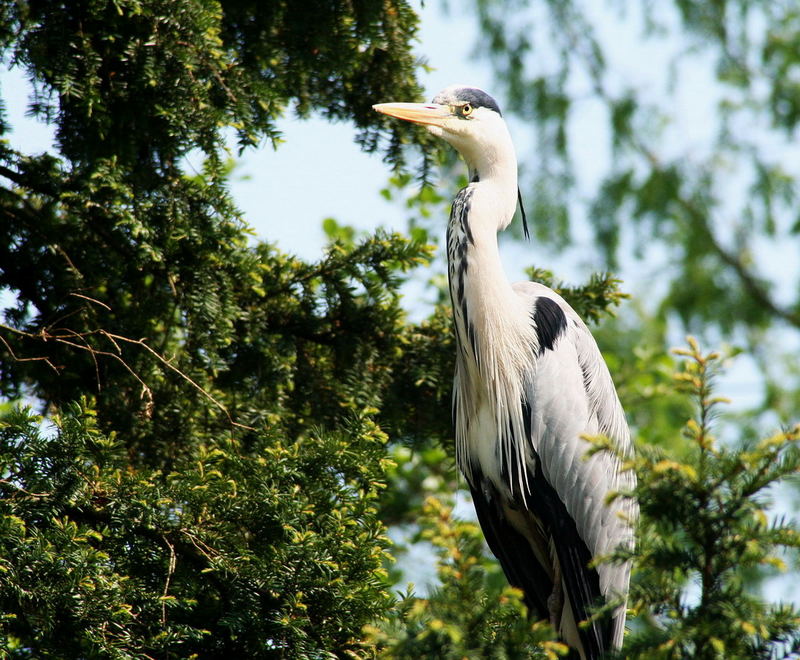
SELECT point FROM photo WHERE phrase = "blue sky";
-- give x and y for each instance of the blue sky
(320, 172)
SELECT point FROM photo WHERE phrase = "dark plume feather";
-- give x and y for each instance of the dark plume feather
(524, 219)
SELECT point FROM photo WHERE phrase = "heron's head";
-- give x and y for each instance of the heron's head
(468, 118)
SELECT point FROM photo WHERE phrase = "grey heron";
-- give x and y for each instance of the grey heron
(530, 383)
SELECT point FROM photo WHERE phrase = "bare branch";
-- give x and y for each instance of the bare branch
(20, 489)
(168, 364)
(95, 301)
(16, 358)
(750, 283)
(170, 571)
(80, 341)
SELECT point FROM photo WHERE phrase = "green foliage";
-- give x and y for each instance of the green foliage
(120, 264)
(704, 529)
(198, 67)
(592, 300)
(275, 552)
(220, 494)
(471, 613)
(249, 423)
(422, 388)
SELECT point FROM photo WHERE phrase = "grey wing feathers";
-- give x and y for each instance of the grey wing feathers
(571, 393)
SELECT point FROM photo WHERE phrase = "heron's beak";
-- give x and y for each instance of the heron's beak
(431, 114)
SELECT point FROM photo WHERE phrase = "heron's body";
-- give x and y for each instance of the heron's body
(529, 383)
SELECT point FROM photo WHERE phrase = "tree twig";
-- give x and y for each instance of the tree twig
(16, 358)
(80, 341)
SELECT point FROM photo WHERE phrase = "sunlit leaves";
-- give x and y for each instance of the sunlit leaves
(592, 300)
(230, 552)
(470, 612)
(219, 495)
(704, 525)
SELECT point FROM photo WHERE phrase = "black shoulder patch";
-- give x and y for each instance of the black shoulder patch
(550, 322)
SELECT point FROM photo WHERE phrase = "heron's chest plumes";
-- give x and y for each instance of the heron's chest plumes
(494, 342)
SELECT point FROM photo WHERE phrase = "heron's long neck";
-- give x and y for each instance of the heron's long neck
(494, 334)
(484, 304)
(480, 210)
(494, 178)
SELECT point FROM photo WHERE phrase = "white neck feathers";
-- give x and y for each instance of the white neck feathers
(493, 330)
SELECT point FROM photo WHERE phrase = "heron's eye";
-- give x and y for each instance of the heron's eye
(466, 110)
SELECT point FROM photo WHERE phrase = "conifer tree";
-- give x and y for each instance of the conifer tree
(205, 444)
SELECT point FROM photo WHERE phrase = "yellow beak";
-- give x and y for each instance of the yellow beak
(431, 114)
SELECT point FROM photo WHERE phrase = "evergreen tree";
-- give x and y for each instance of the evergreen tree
(206, 479)
(223, 436)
